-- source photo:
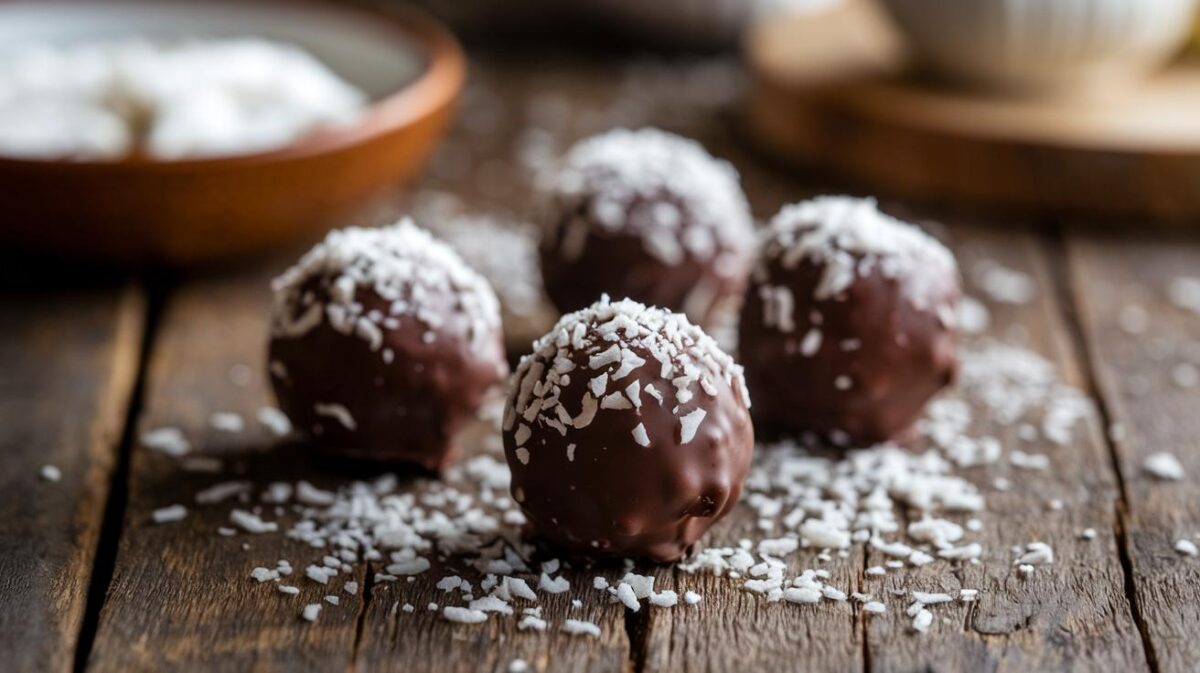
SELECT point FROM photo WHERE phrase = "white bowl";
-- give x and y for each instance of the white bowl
(1044, 46)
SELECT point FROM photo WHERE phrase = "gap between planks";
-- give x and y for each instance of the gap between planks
(1136, 368)
(1067, 299)
(153, 295)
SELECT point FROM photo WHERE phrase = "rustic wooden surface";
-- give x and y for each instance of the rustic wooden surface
(1074, 617)
(70, 362)
(176, 596)
(1152, 412)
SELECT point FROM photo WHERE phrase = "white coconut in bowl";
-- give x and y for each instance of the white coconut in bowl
(1044, 46)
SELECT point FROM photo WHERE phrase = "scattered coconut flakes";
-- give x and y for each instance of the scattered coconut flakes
(642, 585)
(1004, 285)
(227, 421)
(518, 666)
(333, 600)
(1029, 461)
(664, 599)
(311, 612)
(579, 627)
(169, 514)
(452, 613)
(968, 595)
(778, 546)
(168, 440)
(252, 523)
(833, 593)
(206, 464)
(624, 593)
(518, 588)
(973, 316)
(491, 604)
(938, 532)
(1164, 466)
(262, 574)
(274, 420)
(530, 622)
(859, 496)
(824, 534)
(553, 586)
(50, 473)
(337, 412)
(691, 597)
(222, 491)
(931, 598)
(964, 553)
(409, 566)
(922, 621)
(1036, 553)
(1185, 375)
(1088, 534)
(1184, 292)
(1186, 547)
(806, 594)
(875, 607)
(287, 589)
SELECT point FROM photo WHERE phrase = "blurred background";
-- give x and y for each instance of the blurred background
(182, 134)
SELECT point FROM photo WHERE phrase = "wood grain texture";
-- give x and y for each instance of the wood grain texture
(424, 641)
(732, 629)
(1114, 280)
(1072, 615)
(181, 596)
(70, 361)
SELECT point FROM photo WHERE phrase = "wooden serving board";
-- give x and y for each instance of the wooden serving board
(838, 91)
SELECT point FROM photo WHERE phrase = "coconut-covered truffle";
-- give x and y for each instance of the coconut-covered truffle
(628, 432)
(383, 344)
(848, 326)
(650, 216)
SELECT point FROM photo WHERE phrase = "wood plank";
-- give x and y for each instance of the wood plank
(1073, 614)
(1142, 348)
(426, 642)
(70, 361)
(181, 596)
(732, 629)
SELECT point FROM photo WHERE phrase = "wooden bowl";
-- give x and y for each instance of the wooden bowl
(141, 210)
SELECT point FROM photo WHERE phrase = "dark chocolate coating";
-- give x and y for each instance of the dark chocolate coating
(617, 263)
(405, 411)
(906, 355)
(620, 499)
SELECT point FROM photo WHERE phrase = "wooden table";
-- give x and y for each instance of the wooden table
(89, 583)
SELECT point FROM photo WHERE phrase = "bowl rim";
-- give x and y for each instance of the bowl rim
(435, 87)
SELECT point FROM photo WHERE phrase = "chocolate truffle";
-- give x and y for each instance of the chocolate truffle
(650, 216)
(383, 344)
(848, 326)
(628, 433)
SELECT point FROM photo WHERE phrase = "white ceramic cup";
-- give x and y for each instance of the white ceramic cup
(1044, 46)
